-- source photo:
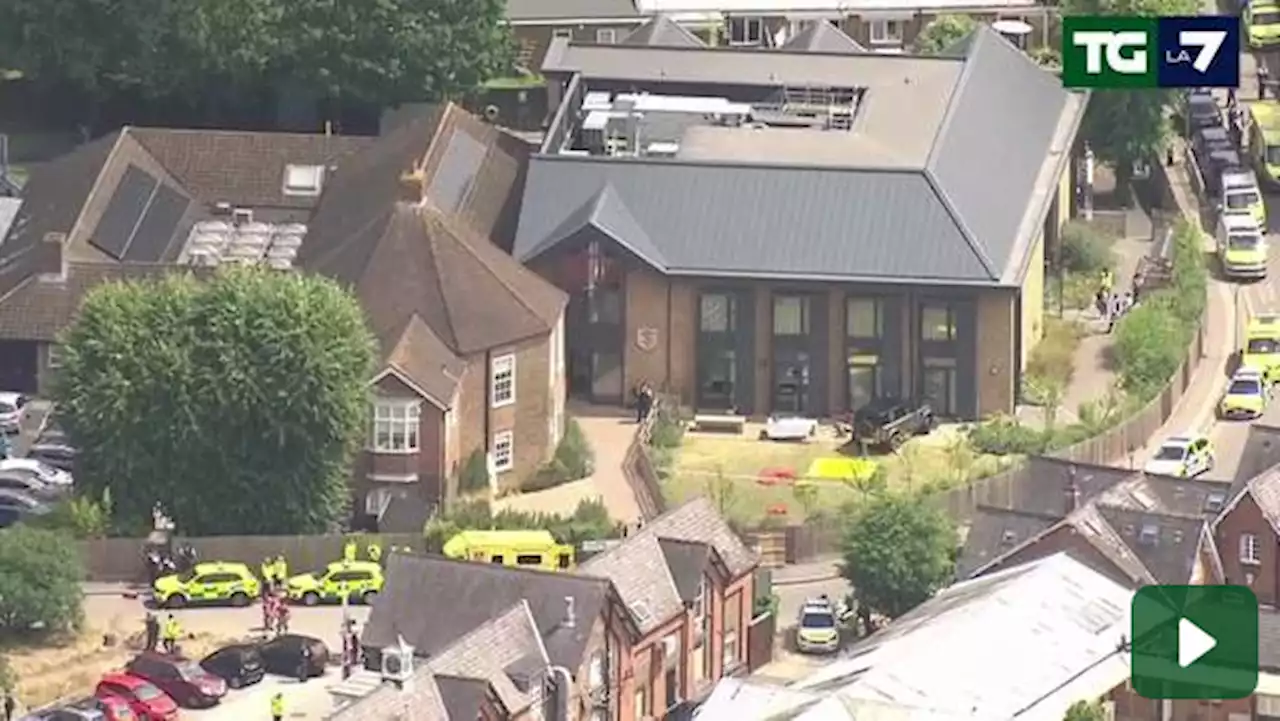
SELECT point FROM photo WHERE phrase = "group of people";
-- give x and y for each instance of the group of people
(165, 637)
(275, 610)
(351, 551)
(1112, 304)
(275, 572)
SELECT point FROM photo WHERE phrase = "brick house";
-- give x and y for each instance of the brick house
(642, 627)
(836, 250)
(410, 225)
(534, 23)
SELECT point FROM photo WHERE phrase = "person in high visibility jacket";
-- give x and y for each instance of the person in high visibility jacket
(277, 706)
(281, 569)
(375, 552)
(268, 574)
(170, 635)
(349, 551)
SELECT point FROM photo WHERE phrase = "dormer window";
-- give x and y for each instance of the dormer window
(303, 180)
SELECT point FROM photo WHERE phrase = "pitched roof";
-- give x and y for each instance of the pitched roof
(662, 31)
(993, 532)
(1042, 485)
(823, 37)
(895, 198)
(418, 267)
(1264, 489)
(532, 11)
(432, 601)
(1167, 546)
(650, 571)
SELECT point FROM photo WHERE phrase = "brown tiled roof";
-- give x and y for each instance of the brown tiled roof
(243, 168)
(37, 310)
(422, 358)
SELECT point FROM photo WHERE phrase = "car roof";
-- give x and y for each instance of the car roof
(1240, 221)
(1178, 441)
(123, 678)
(216, 566)
(11, 396)
(1247, 373)
(354, 566)
(1239, 179)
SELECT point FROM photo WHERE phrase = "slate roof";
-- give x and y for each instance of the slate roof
(1264, 489)
(418, 267)
(530, 12)
(1171, 552)
(898, 198)
(662, 31)
(652, 567)
(1041, 485)
(432, 601)
(994, 532)
(823, 37)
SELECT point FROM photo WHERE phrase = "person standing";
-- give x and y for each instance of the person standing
(282, 618)
(277, 706)
(171, 633)
(1264, 75)
(268, 572)
(304, 663)
(10, 705)
(644, 402)
(375, 552)
(152, 626)
(282, 571)
(349, 550)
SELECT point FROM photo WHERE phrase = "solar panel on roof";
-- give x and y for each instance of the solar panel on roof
(157, 227)
(123, 212)
(456, 172)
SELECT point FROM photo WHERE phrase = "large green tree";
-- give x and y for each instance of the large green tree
(236, 402)
(1123, 126)
(40, 574)
(942, 32)
(897, 552)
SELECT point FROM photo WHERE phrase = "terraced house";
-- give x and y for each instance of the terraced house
(765, 231)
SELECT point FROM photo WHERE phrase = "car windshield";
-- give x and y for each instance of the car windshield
(1245, 387)
(1245, 241)
(818, 620)
(1171, 453)
(146, 692)
(1267, 18)
(191, 672)
(1263, 345)
(1240, 201)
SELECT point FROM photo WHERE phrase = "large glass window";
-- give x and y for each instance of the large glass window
(716, 313)
(864, 318)
(718, 379)
(937, 323)
(939, 376)
(395, 425)
(790, 315)
(865, 380)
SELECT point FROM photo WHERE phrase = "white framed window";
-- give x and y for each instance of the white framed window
(700, 602)
(377, 500)
(1250, 549)
(566, 33)
(303, 179)
(54, 357)
(504, 451)
(395, 425)
(606, 36)
(595, 672)
(886, 32)
(502, 378)
(746, 30)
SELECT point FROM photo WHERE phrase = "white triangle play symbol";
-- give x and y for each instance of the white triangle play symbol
(1192, 643)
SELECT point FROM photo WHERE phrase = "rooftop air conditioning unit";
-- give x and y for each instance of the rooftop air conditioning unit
(242, 216)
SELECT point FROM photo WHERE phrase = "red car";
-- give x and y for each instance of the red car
(148, 702)
(182, 679)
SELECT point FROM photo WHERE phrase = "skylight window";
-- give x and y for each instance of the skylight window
(303, 179)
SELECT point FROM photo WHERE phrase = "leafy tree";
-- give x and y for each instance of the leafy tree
(1123, 126)
(40, 574)
(81, 516)
(943, 32)
(897, 552)
(590, 521)
(1085, 711)
(236, 403)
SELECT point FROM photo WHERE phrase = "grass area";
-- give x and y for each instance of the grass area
(728, 470)
(515, 82)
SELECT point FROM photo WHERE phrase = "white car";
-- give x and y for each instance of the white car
(12, 408)
(1185, 456)
(42, 471)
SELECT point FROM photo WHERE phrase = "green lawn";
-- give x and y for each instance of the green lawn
(516, 82)
(728, 469)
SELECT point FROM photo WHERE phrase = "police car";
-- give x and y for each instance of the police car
(1185, 456)
(210, 583)
(1246, 395)
(816, 630)
(360, 581)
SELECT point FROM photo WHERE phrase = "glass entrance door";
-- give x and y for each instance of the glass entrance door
(791, 382)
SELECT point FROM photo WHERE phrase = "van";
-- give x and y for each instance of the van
(1262, 345)
(1242, 246)
(1262, 20)
(531, 549)
(1240, 194)
(1264, 138)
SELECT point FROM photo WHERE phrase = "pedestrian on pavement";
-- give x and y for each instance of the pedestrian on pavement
(304, 663)
(10, 705)
(644, 401)
(1107, 282)
(277, 706)
(349, 550)
(282, 619)
(171, 633)
(1117, 309)
(282, 571)
(1264, 76)
(268, 573)
(152, 626)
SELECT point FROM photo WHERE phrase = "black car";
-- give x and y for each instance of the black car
(56, 454)
(283, 655)
(890, 422)
(239, 665)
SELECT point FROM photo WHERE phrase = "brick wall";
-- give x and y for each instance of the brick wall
(1246, 517)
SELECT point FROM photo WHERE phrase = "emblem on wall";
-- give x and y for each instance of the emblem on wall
(646, 338)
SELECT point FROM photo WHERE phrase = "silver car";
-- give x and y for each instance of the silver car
(12, 408)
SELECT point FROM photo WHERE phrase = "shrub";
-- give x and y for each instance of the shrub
(474, 475)
(1052, 361)
(80, 516)
(668, 428)
(573, 460)
(1085, 250)
(589, 521)
(1149, 345)
(40, 575)
(1004, 436)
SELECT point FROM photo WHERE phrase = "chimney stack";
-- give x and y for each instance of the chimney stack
(51, 258)
(413, 186)
(570, 614)
(1072, 490)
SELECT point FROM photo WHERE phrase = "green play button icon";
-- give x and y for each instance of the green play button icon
(1198, 642)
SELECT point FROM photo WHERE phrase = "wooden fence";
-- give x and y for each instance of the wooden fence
(760, 640)
(641, 476)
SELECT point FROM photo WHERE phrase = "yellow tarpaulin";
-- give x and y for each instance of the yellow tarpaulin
(847, 470)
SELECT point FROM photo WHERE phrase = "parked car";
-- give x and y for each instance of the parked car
(1184, 456)
(239, 664)
(12, 409)
(110, 708)
(40, 469)
(816, 629)
(183, 679)
(891, 422)
(147, 702)
(283, 655)
(22, 502)
(58, 454)
(31, 485)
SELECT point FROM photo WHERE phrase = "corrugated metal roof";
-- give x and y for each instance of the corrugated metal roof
(744, 220)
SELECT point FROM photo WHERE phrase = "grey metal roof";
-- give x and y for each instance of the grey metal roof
(945, 177)
(531, 11)
(662, 31)
(823, 37)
